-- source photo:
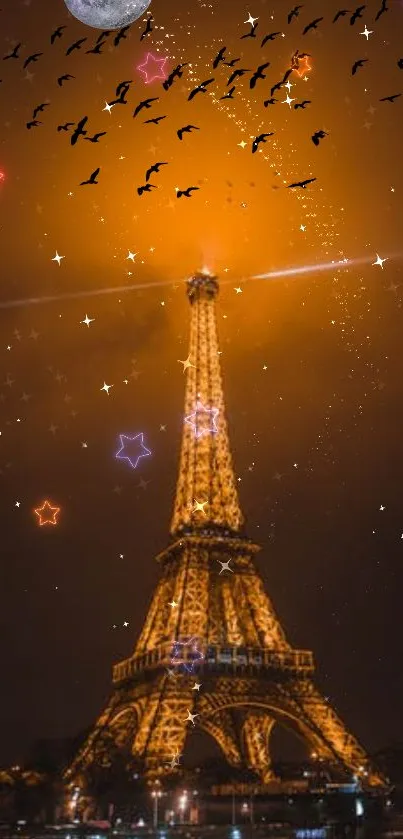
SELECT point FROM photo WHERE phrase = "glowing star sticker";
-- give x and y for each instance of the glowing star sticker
(367, 32)
(135, 457)
(186, 654)
(199, 507)
(193, 420)
(379, 261)
(191, 717)
(225, 566)
(153, 68)
(186, 363)
(47, 514)
(57, 258)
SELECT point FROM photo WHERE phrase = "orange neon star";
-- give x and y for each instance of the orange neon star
(301, 70)
(47, 514)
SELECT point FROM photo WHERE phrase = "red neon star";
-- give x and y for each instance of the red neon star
(153, 68)
(301, 70)
(47, 514)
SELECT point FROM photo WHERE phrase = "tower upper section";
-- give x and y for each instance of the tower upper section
(206, 494)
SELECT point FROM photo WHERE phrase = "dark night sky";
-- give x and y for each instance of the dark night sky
(311, 363)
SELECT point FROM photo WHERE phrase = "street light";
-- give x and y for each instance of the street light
(156, 795)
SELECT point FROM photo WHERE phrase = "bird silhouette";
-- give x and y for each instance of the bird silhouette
(270, 37)
(39, 109)
(146, 103)
(76, 46)
(79, 131)
(258, 74)
(232, 62)
(103, 35)
(230, 94)
(261, 138)
(57, 34)
(155, 168)
(390, 98)
(271, 101)
(400, 63)
(65, 78)
(312, 25)
(92, 178)
(186, 192)
(251, 33)
(341, 13)
(121, 35)
(357, 64)
(201, 88)
(32, 59)
(236, 74)
(121, 98)
(155, 120)
(95, 138)
(97, 50)
(65, 127)
(317, 136)
(219, 57)
(14, 53)
(148, 29)
(302, 184)
(384, 8)
(176, 73)
(145, 188)
(358, 13)
(33, 124)
(275, 87)
(123, 85)
(187, 129)
(302, 104)
(294, 13)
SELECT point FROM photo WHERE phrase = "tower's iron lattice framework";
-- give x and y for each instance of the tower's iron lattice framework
(250, 676)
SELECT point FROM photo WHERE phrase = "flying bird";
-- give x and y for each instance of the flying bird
(232, 62)
(32, 59)
(176, 73)
(65, 127)
(275, 87)
(302, 184)
(148, 29)
(230, 94)
(302, 104)
(154, 168)
(95, 138)
(14, 53)
(358, 13)
(251, 33)
(76, 46)
(236, 74)
(123, 85)
(317, 136)
(261, 138)
(121, 35)
(121, 98)
(357, 64)
(187, 129)
(270, 37)
(340, 13)
(186, 192)
(219, 57)
(312, 25)
(65, 78)
(258, 74)
(384, 8)
(103, 35)
(155, 120)
(390, 98)
(400, 63)
(146, 103)
(145, 188)
(92, 178)
(40, 108)
(57, 34)
(294, 13)
(79, 131)
(33, 124)
(201, 88)
(271, 101)
(97, 50)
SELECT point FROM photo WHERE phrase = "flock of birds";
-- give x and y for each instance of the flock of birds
(122, 89)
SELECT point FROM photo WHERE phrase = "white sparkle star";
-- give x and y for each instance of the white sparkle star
(87, 320)
(287, 101)
(57, 259)
(131, 256)
(108, 107)
(225, 566)
(379, 260)
(190, 717)
(367, 32)
(251, 19)
(106, 388)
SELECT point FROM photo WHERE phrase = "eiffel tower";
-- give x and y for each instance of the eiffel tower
(210, 622)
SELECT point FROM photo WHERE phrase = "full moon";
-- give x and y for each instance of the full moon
(107, 14)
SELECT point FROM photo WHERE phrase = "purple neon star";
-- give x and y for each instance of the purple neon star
(196, 655)
(135, 457)
(193, 420)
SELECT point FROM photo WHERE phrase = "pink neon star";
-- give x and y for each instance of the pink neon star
(153, 68)
(193, 420)
(132, 458)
